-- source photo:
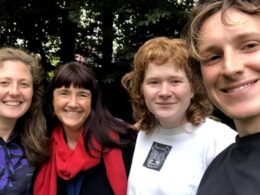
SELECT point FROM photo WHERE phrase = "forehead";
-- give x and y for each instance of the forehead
(234, 24)
(15, 68)
(71, 87)
(163, 70)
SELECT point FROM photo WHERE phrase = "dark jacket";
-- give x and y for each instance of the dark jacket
(95, 181)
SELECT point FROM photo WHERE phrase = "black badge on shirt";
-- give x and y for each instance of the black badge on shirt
(157, 156)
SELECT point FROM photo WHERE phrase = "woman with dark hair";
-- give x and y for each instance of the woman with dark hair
(91, 150)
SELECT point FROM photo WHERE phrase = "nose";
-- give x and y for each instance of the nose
(233, 65)
(73, 101)
(13, 89)
(165, 90)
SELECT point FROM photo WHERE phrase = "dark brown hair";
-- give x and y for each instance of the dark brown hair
(100, 123)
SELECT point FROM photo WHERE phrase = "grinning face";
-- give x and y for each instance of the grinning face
(72, 106)
(16, 90)
(230, 66)
(167, 93)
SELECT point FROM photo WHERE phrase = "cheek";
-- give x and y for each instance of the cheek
(148, 92)
(208, 76)
(188, 93)
(88, 107)
(29, 95)
(149, 99)
(145, 94)
(253, 61)
(57, 104)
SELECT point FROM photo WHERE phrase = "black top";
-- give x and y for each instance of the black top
(235, 171)
(95, 181)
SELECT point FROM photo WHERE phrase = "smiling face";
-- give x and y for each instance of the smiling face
(72, 106)
(230, 65)
(167, 93)
(16, 89)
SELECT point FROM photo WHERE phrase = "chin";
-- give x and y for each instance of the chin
(241, 115)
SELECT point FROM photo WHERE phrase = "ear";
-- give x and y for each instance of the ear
(141, 89)
(192, 95)
(191, 91)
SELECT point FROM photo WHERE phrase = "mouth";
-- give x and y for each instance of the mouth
(12, 103)
(239, 88)
(72, 111)
(165, 103)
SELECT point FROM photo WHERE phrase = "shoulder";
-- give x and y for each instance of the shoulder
(220, 158)
(215, 122)
(215, 174)
(216, 137)
(216, 127)
(215, 134)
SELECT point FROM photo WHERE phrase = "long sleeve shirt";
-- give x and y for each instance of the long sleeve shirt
(15, 171)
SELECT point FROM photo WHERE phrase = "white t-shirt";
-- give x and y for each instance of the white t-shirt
(172, 161)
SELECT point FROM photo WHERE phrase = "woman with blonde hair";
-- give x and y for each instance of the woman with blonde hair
(23, 139)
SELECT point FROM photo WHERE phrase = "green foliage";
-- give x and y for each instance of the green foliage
(107, 32)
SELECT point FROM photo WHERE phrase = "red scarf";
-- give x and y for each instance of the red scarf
(67, 163)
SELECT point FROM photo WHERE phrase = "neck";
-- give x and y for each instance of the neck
(72, 137)
(247, 126)
(6, 128)
(169, 124)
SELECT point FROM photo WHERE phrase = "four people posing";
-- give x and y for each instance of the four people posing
(224, 36)
(91, 150)
(177, 140)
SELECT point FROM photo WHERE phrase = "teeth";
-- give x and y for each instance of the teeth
(238, 88)
(69, 111)
(72, 113)
(12, 103)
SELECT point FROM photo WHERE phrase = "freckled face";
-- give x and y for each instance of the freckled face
(72, 106)
(167, 93)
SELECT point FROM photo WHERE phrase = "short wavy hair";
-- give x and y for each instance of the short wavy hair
(206, 8)
(161, 50)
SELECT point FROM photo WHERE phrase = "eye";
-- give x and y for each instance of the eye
(85, 94)
(153, 82)
(211, 59)
(25, 85)
(62, 93)
(175, 81)
(250, 47)
(4, 83)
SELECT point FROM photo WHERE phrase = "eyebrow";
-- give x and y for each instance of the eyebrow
(19, 79)
(240, 36)
(159, 77)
